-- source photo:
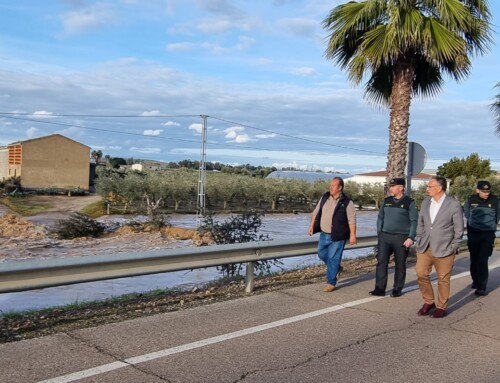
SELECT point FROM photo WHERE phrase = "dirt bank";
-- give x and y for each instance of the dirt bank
(30, 237)
(22, 239)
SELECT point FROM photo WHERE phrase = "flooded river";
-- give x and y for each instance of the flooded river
(276, 226)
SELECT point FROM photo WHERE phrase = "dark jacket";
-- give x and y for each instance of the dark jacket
(482, 214)
(340, 224)
(398, 217)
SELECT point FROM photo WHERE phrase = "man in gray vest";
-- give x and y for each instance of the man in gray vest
(396, 228)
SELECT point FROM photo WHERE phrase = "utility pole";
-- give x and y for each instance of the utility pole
(202, 173)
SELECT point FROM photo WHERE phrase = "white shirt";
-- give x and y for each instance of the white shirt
(435, 206)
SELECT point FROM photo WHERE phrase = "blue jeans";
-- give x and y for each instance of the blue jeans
(330, 252)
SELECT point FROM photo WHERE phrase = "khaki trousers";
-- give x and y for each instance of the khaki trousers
(444, 267)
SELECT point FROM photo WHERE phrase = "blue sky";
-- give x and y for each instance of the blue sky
(256, 68)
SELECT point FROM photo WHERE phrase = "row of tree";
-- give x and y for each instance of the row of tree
(177, 190)
(246, 169)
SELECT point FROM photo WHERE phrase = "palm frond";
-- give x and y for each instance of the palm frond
(439, 34)
(379, 87)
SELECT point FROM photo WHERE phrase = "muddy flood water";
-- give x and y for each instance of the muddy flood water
(276, 226)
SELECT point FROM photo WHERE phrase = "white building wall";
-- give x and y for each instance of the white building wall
(4, 163)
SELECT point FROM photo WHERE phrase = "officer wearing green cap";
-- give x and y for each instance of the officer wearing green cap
(396, 228)
(482, 211)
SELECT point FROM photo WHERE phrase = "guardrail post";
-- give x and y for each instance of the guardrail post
(249, 278)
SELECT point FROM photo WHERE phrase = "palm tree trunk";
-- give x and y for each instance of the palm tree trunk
(399, 119)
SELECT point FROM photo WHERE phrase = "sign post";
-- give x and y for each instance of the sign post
(416, 159)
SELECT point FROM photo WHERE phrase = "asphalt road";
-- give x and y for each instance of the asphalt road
(295, 335)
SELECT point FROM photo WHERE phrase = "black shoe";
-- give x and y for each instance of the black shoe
(377, 292)
(473, 286)
(481, 292)
(396, 293)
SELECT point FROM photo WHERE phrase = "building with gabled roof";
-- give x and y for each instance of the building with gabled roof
(53, 161)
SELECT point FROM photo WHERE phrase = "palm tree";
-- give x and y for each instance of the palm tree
(403, 47)
(495, 108)
(96, 155)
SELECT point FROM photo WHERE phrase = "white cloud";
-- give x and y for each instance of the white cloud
(264, 136)
(232, 133)
(32, 132)
(244, 43)
(176, 47)
(170, 123)
(215, 26)
(145, 150)
(294, 164)
(198, 128)
(151, 113)
(86, 18)
(42, 113)
(215, 49)
(151, 132)
(242, 138)
(304, 71)
(302, 27)
(114, 147)
(220, 7)
(263, 61)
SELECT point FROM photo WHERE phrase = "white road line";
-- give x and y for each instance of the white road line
(221, 338)
(86, 373)
(202, 343)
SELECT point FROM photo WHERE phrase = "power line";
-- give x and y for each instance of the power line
(12, 114)
(295, 137)
(142, 135)
(89, 128)
(7, 114)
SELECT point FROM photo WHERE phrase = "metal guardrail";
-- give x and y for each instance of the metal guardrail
(35, 274)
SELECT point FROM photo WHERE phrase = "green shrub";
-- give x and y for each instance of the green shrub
(237, 229)
(78, 225)
(159, 220)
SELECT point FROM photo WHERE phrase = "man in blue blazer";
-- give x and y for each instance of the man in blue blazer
(439, 232)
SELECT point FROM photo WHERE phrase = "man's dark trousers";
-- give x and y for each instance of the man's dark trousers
(480, 244)
(388, 244)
